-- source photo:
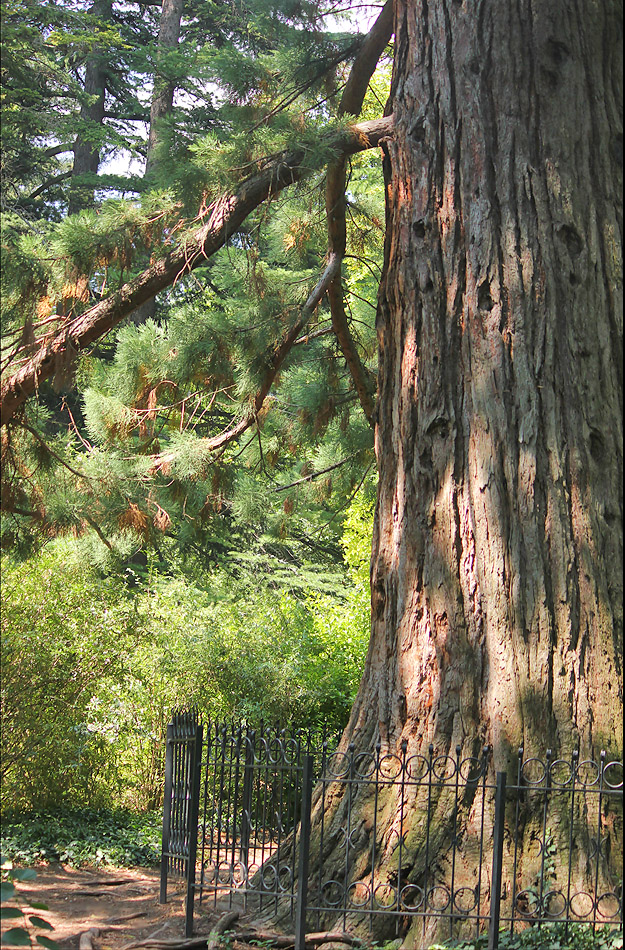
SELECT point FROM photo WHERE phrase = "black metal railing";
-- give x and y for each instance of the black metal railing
(183, 759)
(464, 848)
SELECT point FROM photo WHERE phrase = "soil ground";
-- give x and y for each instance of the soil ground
(80, 898)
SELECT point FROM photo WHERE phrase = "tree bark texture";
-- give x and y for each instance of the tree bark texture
(86, 153)
(496, 570)
(497, 552)
(163, 94)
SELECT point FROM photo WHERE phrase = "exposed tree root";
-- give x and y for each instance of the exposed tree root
(224, 923)
(85, 941)
(107, 883)
(266, 937)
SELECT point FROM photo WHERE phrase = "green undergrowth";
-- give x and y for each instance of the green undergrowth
(550, 936)
(83, 837)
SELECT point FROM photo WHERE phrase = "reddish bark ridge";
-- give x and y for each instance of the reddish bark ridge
(497, 555)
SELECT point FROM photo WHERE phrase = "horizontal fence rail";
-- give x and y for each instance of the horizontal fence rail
(472, 850)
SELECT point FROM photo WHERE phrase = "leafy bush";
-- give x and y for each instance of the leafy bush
(83, 837)
(62, 635)
(16, 908)
(92, 667)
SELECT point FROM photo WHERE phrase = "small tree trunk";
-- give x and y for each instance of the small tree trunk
(160, 108)
(86, 153)
(164, 88)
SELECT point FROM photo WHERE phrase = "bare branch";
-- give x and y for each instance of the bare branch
(54, 455)
(313, 475)
(50, 183)
(313, 336)
(351, 103)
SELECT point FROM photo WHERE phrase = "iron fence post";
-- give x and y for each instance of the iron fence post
(195, 771)
(304, 854)
(169, 768)
(246, 802)
(495, 894)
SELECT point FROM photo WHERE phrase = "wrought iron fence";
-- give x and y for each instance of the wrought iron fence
(252, 800)
(464, 847)
(183, 760)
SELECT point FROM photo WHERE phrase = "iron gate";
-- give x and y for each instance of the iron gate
(251, 811)
(183, 762)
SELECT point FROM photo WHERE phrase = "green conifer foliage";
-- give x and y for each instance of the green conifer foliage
(118, 444)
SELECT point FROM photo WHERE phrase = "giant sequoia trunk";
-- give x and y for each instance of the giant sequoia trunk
(497, 561)
(497, 554)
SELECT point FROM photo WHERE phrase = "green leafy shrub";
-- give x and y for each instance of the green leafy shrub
(115, 837)
(92, 667)
(62, 635)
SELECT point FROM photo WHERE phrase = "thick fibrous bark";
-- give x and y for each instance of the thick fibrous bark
(496, 575)
(497, 557)
(225, 216)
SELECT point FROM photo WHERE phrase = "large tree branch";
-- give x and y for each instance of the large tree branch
(351, 104)
(50, 183)
(224, 218)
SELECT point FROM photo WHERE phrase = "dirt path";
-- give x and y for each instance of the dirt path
(109, 899)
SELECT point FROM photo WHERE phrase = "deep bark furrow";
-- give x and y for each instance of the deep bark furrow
(496, 589)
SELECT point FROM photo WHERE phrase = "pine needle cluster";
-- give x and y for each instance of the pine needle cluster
(129, 444)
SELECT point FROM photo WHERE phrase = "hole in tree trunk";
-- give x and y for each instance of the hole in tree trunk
(484, 299)
(572, 239)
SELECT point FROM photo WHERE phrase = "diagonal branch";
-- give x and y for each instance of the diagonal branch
(313, 475)
(50, 183)
(277, 359)
(225, 216)
(351, 104)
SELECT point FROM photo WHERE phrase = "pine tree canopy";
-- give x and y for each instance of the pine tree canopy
(193, 212)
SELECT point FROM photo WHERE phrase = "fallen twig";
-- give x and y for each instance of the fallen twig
(170, 944)
(91, 894)
(120, 920)
(288, 940)
(279, 941)
(267, 937)
(150, 941)
(109, 883)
